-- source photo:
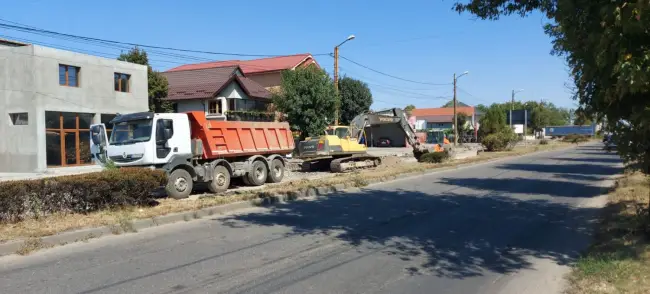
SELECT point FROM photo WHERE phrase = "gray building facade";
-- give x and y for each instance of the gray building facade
(50, 97)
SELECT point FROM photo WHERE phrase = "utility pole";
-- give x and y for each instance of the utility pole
(512, 105)
(455, 116)
(337, 99)
(337, 103)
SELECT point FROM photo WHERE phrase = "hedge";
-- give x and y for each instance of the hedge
(78, 193)
(435, 157)
(575, 138)
(500, 141)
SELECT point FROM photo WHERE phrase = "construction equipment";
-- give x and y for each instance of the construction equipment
(343, 148)
(192, 148)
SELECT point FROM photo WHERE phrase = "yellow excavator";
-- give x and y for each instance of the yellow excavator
(343, 148)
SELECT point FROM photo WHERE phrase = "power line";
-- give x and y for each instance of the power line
(29, 29)
(389, 75)
(470, 94)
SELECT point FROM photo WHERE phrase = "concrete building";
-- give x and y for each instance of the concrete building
(50, 97)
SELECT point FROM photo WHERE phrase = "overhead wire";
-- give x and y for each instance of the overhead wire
(392, 76)
(29, 29)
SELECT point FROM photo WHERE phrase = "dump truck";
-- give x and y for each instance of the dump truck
(343, 148)
(194, 149)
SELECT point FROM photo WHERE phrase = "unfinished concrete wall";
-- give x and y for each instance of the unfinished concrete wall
(29, 79)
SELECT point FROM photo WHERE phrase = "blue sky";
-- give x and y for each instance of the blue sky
(418, 40)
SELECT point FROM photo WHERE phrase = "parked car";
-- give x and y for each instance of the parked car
(383, 142)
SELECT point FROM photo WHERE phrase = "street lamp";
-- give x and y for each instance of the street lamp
(455, 118)
(512, 104)
(336, 78)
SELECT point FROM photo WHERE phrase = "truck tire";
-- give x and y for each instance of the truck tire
(258, 174)
(180, 184)
(220, 180)
(276, 171)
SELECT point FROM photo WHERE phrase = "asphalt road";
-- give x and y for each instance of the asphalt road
(511, 226)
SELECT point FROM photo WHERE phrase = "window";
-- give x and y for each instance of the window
(248, 105)
(69, 75)
(122, 82)
(19, 119)
(214, 107)
(105, 119)
(67, 138)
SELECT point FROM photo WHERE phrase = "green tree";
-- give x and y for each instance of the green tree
(540, 117)
(409, 108)
(581, 118)
(157, 83)
(463, 118)
(606, 46)
(307, 99)
(492, 121)
(356, 98)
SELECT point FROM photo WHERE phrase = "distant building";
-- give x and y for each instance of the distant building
(50, 97)
(440, 119)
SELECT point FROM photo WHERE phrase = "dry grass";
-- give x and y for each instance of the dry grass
(120, 221)
(619, 259)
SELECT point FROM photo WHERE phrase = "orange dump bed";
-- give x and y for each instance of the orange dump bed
(240, 138)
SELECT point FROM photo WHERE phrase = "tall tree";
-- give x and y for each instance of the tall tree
(462, 120)
(606, 45)
(157, 83)
(540, 117)
(581, 118)
(493, 120)
(307, 97)
(356, 98)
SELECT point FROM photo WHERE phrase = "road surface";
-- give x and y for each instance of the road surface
(511, 226)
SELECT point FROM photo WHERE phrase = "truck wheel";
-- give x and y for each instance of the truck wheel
(220, 180)
(276, 171)
(257, 175)
(179, 184)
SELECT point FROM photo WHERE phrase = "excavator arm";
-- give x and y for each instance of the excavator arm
(389, 116)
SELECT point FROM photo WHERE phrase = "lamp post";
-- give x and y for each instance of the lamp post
(336, 79)
(455, 118)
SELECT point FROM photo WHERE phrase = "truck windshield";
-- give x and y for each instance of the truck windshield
(130, 132)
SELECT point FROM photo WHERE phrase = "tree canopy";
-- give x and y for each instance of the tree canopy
(157, 83)
(606, 46)
(409, 107)
(307, 97)
(493, 120)
(356, 98)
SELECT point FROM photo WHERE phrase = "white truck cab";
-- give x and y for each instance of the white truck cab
(142, 139)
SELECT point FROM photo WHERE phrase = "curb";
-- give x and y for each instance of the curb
(83, 235)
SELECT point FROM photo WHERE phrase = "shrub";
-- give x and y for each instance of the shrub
(78, 193)
(435, 157)
(500, 141)
(575, 138)
(543, 142)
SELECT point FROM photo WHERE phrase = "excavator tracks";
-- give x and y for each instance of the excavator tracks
(350, 163)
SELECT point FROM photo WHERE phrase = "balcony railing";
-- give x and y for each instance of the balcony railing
(250, 116)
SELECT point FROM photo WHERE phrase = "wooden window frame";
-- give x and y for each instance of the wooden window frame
(119, 82)
(62, 131)
(217, 104)
(67, 75)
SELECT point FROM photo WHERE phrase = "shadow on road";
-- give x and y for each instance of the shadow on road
(590, 159)
(450, 235)
(583, 169)
(527, 186)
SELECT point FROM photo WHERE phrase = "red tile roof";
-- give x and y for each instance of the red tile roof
(254, 66)
(441, 111)
(205, 83)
